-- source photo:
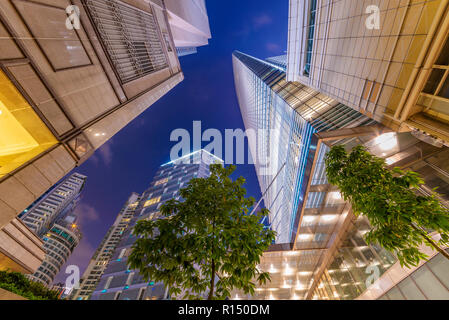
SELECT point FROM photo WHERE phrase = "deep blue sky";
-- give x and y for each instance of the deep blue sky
(128, 161)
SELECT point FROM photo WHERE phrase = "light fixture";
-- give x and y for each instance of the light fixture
(288, 270)
(305, 236)
(386, 141)
(309, 219)
(329, 217)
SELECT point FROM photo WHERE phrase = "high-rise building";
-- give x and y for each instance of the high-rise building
(102, 255)
(59, 242)
(70, 82)
(320, 252)
(189, 24)
(52, 218)
(285, 115)
(54, 203)
(117, 281)
(387, 59)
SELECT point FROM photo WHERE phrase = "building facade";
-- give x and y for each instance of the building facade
(189, 24)
(321, 253)
(386, 59)
(284, 115)
(54, 203)
(21, 250)
(70, 82)
(52, 219)
(102, 255)
(117, 281)
(59, 242)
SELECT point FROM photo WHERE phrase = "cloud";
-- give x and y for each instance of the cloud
(104, 154)
(273, 47)
(86, 213)
(261, 20)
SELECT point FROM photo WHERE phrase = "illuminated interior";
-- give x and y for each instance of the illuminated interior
(22, 133)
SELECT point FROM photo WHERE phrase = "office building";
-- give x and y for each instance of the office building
(320, 253)
(285, 115)
(68, 87)
(102, 255)
(386, 59)
(189, 25)
(117, 281)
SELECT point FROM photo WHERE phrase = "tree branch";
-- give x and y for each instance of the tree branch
(430, 241)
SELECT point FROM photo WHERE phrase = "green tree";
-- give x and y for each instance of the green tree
(205, 243)
(17, 283)
(400, 218)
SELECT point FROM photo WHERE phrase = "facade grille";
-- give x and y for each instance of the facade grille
(130, 37)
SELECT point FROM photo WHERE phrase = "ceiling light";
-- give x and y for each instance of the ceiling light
(386, 141)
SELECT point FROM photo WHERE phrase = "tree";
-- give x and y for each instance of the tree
(399, 216)
(17, 283)
(206, 242)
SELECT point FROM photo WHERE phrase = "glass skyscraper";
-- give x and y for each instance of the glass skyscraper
(320, 252)
(117, 281)
(285, 115)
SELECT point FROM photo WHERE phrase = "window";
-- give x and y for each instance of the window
(130, 37)
(162, 181)
(152, 201)
(23, 135)
(310, 34)
(435, 95)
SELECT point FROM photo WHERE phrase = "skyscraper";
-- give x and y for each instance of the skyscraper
(385, 59)
(75, 77)
(285, 115)
(58, 200)
(117, 281)
(102, 255)
(52, 218)
(189, 24)
(59, 242)
(321, 253)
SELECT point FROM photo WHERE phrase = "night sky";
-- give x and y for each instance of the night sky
(128, 161)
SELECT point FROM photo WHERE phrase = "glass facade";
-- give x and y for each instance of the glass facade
(118, 282)
(310, 36)
(348, 271)
(429, 282)
(23, 135)
(284, 116)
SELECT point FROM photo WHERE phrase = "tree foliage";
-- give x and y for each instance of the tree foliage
(205, 243)
(399, 216)
(17, 283)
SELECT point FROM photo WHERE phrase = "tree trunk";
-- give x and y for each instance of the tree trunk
(212, 281)
(431, 242)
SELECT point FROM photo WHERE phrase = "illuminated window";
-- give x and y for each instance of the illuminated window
(162, 181)
(23, 135)
(152, 201)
